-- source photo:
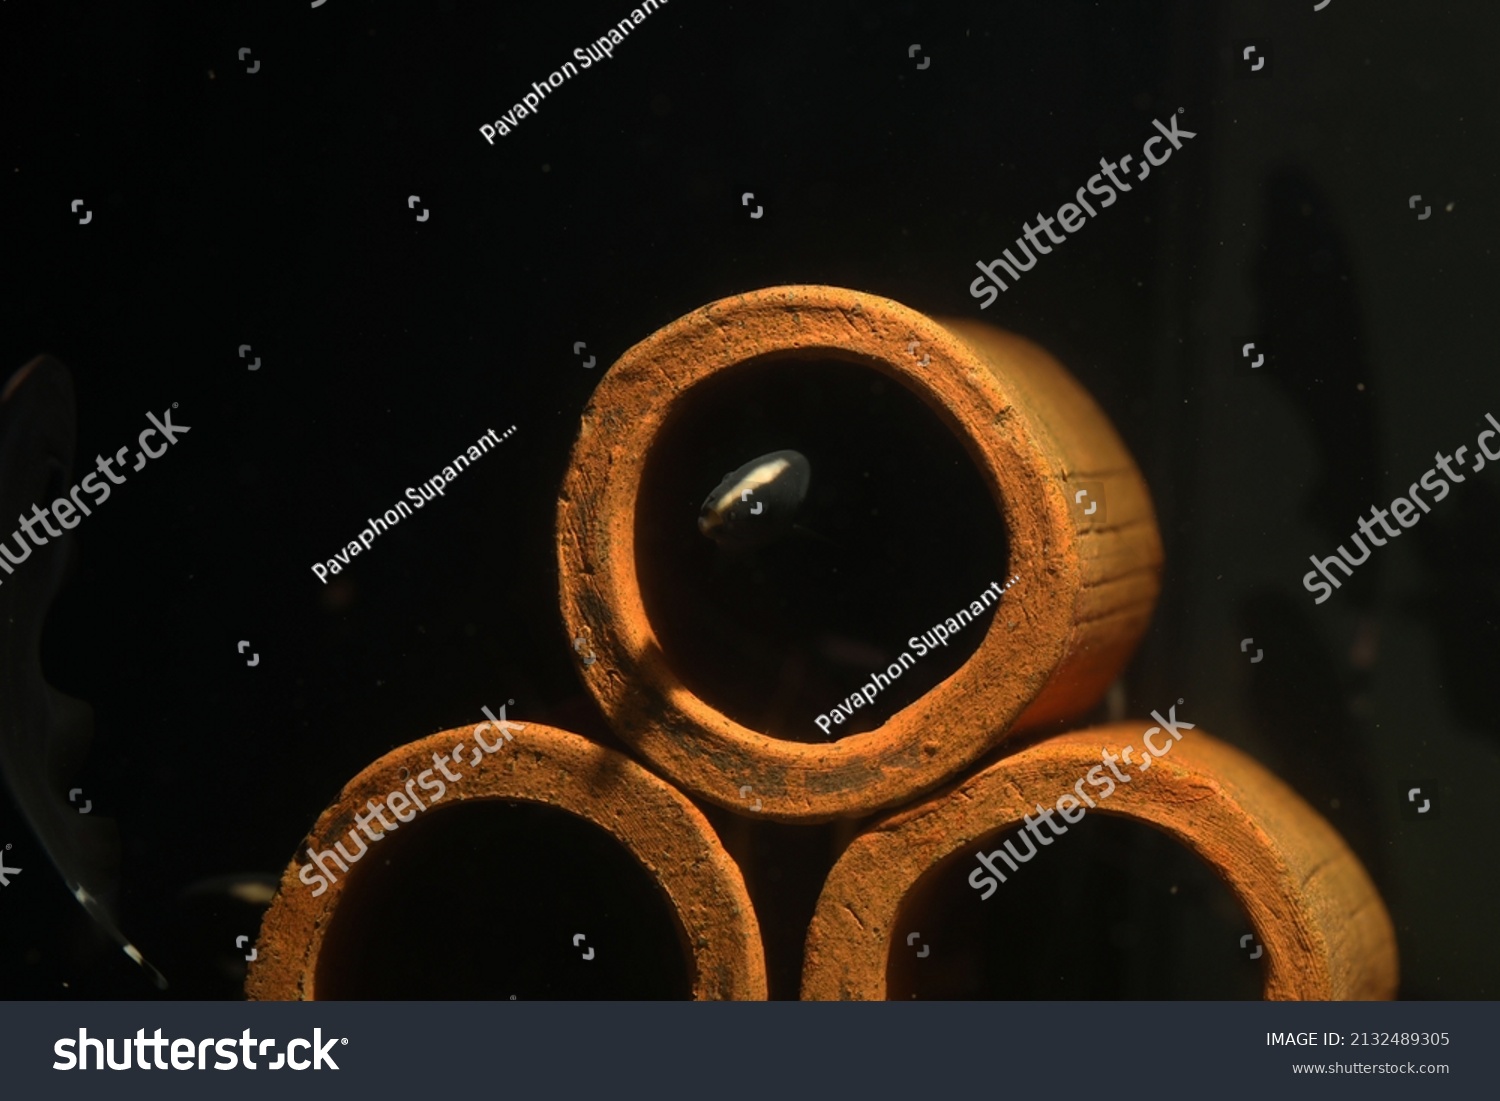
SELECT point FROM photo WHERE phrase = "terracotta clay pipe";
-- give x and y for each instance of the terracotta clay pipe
(1325, 932)
(1086, 578)
(669, 838)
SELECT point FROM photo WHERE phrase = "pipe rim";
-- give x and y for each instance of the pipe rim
(666, 834)
(1325, 929)
(698, 747)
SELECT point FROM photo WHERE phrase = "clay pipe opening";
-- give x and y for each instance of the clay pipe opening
(713, 667)
(1315, 923)
(551, 868)
(897, 523)
(1114, 909)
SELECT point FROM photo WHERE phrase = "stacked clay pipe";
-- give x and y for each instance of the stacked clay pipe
(708, 669)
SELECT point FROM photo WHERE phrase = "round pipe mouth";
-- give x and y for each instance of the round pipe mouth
(778, 591)
(1311, 909)
(340, 908)
(1080, 590)
(1113, 909)
(485, 875)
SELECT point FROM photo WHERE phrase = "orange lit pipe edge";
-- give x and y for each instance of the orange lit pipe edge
(663, 831)
(1089, 588)
(1326, 933)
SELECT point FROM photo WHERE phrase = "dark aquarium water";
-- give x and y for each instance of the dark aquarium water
(284, 292)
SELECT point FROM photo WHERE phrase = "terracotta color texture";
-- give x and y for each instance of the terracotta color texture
(1325, 931)
(663, 830)
(1089, 588)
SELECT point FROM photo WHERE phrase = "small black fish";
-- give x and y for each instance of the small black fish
(756, 504)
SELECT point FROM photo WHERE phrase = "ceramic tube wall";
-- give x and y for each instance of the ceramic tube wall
(1325, 932)
(669, 838)
(1086, 582)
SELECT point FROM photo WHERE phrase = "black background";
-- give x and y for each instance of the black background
(270, 209)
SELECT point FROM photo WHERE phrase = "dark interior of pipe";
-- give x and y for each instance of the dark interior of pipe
(483, 900)
(898, 531)
(784, 867)
(1112, 909)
